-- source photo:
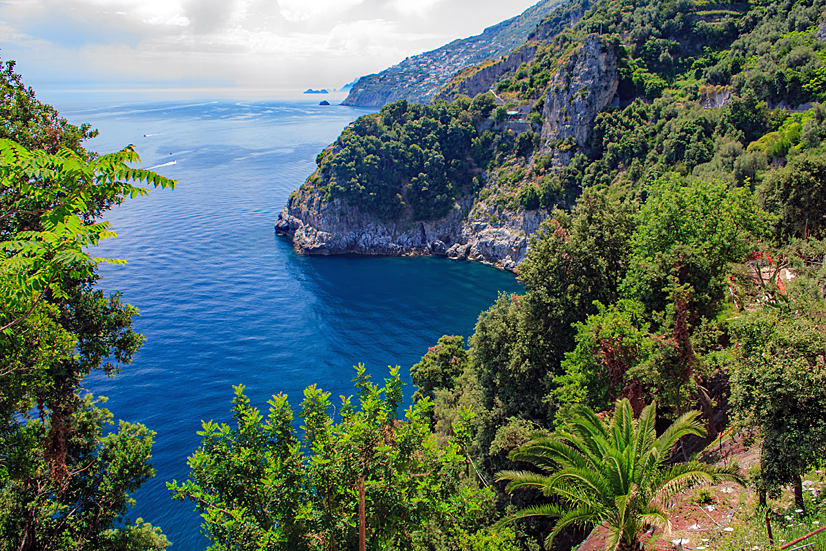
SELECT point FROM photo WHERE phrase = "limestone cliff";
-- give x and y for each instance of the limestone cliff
(482, 78)
(585, 82)
(467, 232)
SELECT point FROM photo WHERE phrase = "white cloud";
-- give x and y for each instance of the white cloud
(150, 12)
(419, 8)
(224, 43)
(302, 10)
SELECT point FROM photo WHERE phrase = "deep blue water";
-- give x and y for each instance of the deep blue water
(224, 301)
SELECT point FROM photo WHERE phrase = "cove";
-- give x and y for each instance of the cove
(224, 301)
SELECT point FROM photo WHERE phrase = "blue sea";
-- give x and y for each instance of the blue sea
(223, 301)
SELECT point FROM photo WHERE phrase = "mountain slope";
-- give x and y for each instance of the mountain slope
(419, 78)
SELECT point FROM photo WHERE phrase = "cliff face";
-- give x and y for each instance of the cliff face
(585, 82)
(336, 227)
(483, 80)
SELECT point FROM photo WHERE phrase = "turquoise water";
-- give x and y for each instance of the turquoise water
(224, 301)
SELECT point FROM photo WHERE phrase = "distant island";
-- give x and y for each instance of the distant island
(311, 91)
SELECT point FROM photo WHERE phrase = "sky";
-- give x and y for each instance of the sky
(283, 45)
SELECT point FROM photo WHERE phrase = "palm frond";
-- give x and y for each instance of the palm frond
(521, 480)
(684, 425)
(579, 516)
(614, 538)
(566, 480)
(622, 426)
(550, 453)
(656, 517)
(685, 475)
(545, 510)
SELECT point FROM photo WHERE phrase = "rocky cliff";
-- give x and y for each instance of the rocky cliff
(466, 233)
(482, 79)
(585, 82)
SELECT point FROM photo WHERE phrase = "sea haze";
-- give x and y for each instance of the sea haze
(224, 301)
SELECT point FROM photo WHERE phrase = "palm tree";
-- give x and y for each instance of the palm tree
(610, 474)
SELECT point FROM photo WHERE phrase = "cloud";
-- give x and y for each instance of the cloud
(149, 12)
(419, 8)
(223, 43)
(302, 10)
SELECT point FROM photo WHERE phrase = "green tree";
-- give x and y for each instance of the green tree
(601, 369)
(778, 384)
(440, 367)
(81, 509)
(262, 485)
(500, 114)
(797, 195)
(33, 124)
(520, 342)
(62, 483)
(689, 234)
(612, 474)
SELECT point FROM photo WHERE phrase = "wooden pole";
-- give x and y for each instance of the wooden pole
(362, 522)
(769, 530)
(807, 536)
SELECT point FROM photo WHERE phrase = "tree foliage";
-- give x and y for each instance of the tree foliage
(689, 234)
(779, 379)
(407, 157)
(64, 484)
(520, 342)
(81, 509)
(609, 474)
(263, 485)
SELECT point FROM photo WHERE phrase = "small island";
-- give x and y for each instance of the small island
(324, 102)
(311, 91)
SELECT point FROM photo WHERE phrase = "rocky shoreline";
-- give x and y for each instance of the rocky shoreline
(335, 227)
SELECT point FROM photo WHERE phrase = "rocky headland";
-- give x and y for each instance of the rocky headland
(586, 81)
(466, 233)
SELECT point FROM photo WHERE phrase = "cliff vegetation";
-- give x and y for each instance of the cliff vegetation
(654, 172)
(674, 151)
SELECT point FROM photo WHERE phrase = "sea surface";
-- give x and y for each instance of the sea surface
(224, 301)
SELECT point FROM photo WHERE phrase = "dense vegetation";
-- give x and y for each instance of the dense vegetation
(681, 268)
(410, 156)
(64, 484)
(657, 277)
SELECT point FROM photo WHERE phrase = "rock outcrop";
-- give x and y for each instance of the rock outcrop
(335, 227)
(585, 82)
(712, 97)
(482, 79)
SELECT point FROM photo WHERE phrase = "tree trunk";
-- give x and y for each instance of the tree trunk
(362, 516)
(708, 412)
(798, 492)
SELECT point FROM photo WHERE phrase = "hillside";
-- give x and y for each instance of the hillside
(419, 78)
(654, 172)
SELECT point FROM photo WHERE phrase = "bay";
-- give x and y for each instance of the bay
(224, 301)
